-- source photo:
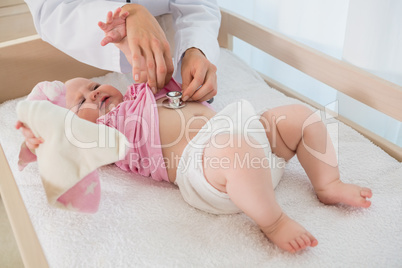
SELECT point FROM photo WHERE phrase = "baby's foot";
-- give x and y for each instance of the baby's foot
(350, 194)
(289, 235)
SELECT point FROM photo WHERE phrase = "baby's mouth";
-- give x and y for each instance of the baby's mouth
(103, 101)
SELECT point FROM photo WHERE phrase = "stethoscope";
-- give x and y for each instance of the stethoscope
(173, 100)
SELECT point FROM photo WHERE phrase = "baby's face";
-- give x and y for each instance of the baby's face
(90, 100)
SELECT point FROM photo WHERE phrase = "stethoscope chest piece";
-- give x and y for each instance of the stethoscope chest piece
(173, 100)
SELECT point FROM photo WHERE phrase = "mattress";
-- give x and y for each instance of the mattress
(141, 222)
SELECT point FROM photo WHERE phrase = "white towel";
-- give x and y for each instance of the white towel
(142, 223)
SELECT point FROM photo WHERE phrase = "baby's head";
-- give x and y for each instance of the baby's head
(90, 100)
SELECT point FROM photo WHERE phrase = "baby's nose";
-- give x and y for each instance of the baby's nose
(94, 94)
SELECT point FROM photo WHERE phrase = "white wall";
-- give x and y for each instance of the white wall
(373, 41)
(323, 25)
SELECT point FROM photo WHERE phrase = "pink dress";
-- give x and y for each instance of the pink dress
(137, 118)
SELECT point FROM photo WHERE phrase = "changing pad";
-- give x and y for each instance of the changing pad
(145, 223)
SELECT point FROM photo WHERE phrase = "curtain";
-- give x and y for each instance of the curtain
(373, 41)
(367, 33)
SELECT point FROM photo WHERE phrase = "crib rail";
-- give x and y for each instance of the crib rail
(363, 86)
(29, 60)
(30, 249)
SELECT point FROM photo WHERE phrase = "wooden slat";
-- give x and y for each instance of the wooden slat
(16, 26)
(224, 38)
(390, 148)
(30, 249)
(5, 3)
(365, 87)
(15, 22)
(28, 61)
(13, 10)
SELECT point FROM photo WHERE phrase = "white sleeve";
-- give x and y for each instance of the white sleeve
(72, 27)
(197, 25)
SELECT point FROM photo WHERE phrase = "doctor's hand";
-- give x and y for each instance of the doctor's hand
(146, 39)
(199, 76)
(115, 32)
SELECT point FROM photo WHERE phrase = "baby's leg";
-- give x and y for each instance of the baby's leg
(294, 129)
(248, 184)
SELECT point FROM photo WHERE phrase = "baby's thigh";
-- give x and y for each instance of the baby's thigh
(229, 155)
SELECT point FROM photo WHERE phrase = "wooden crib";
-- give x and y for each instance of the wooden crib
(28, 60)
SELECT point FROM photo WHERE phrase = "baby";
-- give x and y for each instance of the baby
(201, 151)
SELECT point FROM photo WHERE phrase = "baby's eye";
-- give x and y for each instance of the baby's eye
(81, 103)
(83, 99)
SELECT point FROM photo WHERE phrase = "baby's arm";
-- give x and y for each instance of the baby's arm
(31, 141)
(115, 32)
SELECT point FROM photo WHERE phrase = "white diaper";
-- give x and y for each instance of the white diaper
(236, 118)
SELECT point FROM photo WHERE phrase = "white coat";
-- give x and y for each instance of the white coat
(72, 27)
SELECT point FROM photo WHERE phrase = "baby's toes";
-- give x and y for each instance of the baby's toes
(301, 242)
(288, 247)
(295, 246)
(366, 192)
(364, 203)
(313, 240)
(306, 240)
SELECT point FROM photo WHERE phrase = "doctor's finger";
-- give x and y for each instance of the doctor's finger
(136, 60)
(204, 94)
(160, 66)
(208, 89)
(169, 65)
(191, 83)
(143, 76)
(150, 67)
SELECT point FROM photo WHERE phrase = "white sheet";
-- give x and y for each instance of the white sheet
(145, 223)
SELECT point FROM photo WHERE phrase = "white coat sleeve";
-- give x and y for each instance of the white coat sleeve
(72, 27)
(197, 25)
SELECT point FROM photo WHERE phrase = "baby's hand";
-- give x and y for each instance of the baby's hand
(115, 32)
(115, 27)
(31, 141)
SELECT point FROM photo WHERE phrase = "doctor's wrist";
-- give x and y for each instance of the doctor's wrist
(132, 8)
(194, 49)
